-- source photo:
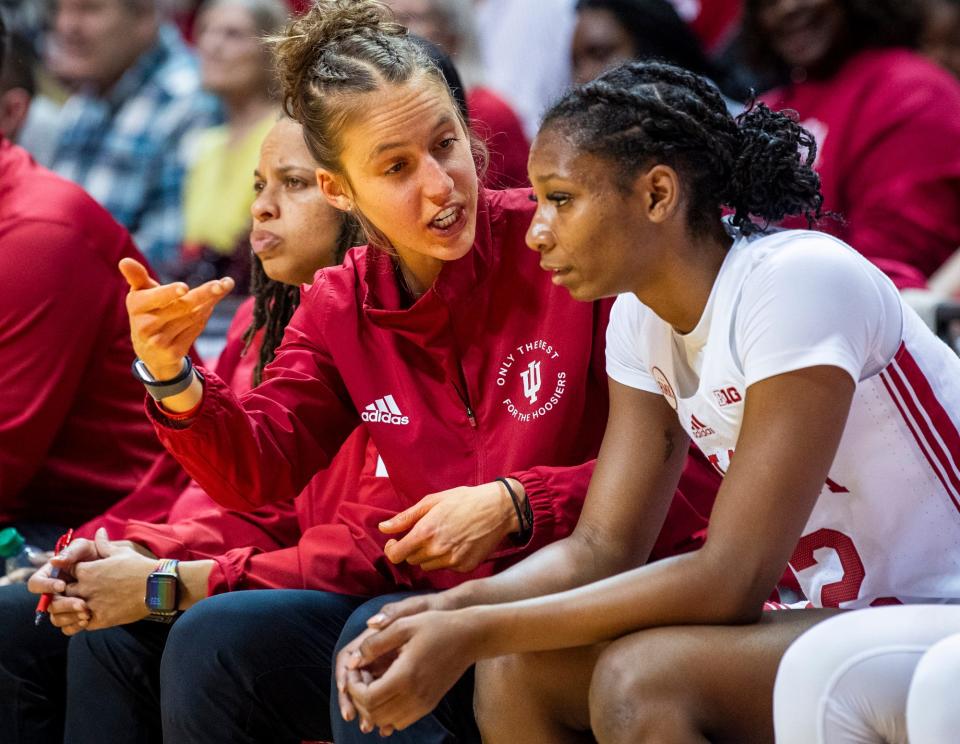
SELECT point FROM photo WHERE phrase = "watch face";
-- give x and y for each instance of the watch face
(161, 593)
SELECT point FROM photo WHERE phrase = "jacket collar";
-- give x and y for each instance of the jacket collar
(382, 297)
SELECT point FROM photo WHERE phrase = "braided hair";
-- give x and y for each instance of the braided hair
(640, 113)
(274, 302)
(329, 58)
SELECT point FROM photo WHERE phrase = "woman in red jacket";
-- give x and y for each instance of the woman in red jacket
(168, 516)
(443, 339)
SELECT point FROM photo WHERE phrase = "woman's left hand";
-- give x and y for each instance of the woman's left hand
(455, 529)
(107, 592)
(429, 652)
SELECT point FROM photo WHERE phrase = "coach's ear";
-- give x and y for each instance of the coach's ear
(334, 190)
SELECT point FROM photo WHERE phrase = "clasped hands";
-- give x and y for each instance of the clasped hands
(100, 583)
(413, 651)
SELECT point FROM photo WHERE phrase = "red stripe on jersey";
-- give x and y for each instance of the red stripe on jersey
(931, 426)
(921, 434)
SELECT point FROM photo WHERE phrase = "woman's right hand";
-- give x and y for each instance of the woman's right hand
(165, 319)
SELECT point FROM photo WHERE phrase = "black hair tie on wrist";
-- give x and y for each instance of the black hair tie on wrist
(524, 515)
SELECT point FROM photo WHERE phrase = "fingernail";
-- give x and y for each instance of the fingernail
(82, 623)
(181, 291)
(343, 714)
(216, 288)
(365, 727)
(377, 619)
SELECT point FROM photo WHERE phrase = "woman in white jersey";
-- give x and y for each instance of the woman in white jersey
(790, 361)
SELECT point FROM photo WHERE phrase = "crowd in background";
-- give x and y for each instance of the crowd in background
(157, 107)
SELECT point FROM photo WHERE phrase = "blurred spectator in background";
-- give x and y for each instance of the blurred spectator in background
(124, 133)
(887, 122)
(235, 66)
(73, 436)
(17, 85)
(715, 22)
(609, 32)
(941, 34)
(451, 25)
(524, 49)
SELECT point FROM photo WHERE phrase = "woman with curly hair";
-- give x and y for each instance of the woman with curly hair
(786, 356)
(887, 122)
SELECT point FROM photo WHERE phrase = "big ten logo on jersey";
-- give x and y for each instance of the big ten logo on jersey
(727, 396)
(531, 380)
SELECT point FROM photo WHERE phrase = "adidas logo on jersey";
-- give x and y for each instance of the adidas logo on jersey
(384, 411)
(700, 429)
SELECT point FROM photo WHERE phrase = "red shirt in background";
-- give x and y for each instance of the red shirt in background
(496, 123)
(888, 128)
(73, 437)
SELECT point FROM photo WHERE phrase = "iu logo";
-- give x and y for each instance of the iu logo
(531, 381)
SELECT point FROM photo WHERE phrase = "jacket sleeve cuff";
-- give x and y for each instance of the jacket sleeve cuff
(159, 541)
(221, 578)
(543, 502)
(170, 420)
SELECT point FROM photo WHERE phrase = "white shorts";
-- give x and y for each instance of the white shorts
(886, 675)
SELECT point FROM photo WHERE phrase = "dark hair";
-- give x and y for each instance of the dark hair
(16, 64)
(657, 32)
(449, 71)
(869, 24)
(642, 113)
(274, 302)
(3, 43)
(339, 49)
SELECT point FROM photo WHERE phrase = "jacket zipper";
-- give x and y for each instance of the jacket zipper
(466, 404)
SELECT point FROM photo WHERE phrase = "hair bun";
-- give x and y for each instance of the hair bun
(328, 24)
(772, 175)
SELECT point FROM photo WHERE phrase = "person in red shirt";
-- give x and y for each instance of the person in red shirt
(887, 122)
(463, 361)
(451, 25)
(73, 437)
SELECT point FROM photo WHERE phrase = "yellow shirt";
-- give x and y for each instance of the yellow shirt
(218, 190)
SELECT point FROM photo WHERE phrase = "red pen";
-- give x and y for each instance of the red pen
(46, 599)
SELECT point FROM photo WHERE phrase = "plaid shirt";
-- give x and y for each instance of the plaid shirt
(128, 149)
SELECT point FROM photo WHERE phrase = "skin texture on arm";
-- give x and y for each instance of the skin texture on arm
(792, 427)
(618, 526)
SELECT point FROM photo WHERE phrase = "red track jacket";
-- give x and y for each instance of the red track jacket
(493, 371)
(73, 439)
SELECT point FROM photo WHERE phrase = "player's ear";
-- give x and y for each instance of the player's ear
(658, 190)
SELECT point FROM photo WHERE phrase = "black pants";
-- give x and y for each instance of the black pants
(251, 666)
(32, 672)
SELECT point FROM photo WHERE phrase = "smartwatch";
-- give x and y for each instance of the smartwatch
(159, 389)
(163, 592)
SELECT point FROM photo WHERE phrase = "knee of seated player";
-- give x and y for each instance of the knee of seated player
(496, 683)
(932, 711)
(634, 693)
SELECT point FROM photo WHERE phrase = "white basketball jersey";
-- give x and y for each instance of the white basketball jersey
(886, 526)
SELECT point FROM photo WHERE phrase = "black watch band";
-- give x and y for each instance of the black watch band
(159, 389)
